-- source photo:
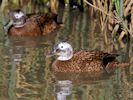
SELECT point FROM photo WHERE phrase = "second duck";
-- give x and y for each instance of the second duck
(31, 24)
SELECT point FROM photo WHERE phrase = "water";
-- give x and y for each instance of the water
(25, 71)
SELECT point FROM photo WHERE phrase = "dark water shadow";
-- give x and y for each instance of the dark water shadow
(29, 75)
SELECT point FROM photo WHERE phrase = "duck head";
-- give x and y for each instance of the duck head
(63, 50)
(18, 18)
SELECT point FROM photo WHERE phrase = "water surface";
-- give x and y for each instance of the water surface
(25, 71)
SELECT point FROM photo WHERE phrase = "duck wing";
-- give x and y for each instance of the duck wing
(96, 55)
(93, 60)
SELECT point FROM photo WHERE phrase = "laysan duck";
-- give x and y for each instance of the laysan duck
(31, 24)
(83, 60)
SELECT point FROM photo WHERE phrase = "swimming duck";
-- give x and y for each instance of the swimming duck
(82, 61)
(31, 24)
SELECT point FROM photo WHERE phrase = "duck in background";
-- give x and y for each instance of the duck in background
(83, 61)
(31, 24)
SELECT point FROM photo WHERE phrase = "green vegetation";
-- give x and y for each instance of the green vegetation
(102, 23)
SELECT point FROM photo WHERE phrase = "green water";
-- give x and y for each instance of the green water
(25, 71)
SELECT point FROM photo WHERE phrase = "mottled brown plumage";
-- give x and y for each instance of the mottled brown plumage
(87, 61)
(34, 25)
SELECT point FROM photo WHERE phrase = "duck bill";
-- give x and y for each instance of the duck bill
(51, 54)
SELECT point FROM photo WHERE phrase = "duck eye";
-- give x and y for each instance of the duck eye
(17, 16)
(61, 46)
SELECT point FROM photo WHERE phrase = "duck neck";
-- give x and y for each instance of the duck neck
(66, 57)
(19, 22)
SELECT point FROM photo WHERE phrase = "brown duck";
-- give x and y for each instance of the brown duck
(83, 61)
(31, 24)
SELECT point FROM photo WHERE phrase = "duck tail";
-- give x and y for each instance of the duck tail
(116, 64)
(55, 18)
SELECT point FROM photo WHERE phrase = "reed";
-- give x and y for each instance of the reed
(114, 14)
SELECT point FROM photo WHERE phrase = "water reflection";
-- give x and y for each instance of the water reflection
(26, 74)
(63, 89)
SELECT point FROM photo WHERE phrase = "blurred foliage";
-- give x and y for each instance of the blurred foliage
(26, 74)
(119, 7)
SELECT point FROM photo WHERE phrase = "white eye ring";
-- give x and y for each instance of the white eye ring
(19, 15)
(62, 47)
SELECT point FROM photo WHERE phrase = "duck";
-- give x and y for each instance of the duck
(83, 60)
(22, 24)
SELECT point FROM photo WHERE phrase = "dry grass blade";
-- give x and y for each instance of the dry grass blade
(128, 8)
(132, 19)
(98, 9)
(115, 16)
(123, 24)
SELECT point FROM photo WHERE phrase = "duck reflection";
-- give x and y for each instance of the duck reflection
(63, 89)
(27, 67)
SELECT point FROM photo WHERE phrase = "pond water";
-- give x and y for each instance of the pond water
(25, 71)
